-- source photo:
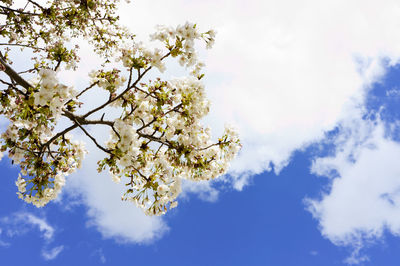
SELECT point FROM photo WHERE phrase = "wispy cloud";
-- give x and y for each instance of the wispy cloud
(363, 199)
(52, 253)
(100, 255)
(44, 227)
(203, 189)
(356, 257)
(3, 243)
(20, 223)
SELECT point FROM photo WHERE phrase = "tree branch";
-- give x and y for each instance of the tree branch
(92, 138)
(22, 45)
(215, 144)
(84, 121)
(18, 11)
(88, 88)
(12, 86)
(59, 134)
(36, 4)
(12, 74)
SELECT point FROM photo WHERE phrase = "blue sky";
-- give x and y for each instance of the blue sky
(312, 86)
(265, 224)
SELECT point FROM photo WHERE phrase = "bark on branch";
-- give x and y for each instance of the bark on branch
(12, 74)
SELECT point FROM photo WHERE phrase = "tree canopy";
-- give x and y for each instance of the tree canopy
(156, 140)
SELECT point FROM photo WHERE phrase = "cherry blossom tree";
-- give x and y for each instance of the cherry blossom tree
(156, 140)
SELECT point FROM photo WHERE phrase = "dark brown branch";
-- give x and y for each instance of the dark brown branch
(36, 4)
(130, 77)
(130, 112)
(12, 74)
(145, 92)
(143, 176)
(12, 86)
(84, 121)
(59, 134)
(27, 71)
(58, 64)
(22, 45)
(82, 92)
(50, 153)
(159, 148)
(88, 88)
(215, 144)
(92, 138)
(152, 138)
(78, 122)
(18, 11)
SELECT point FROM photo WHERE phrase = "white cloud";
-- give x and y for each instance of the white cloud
(20, 223)
(3, 243)
(282, 70)
(203, 189)
(113, 218)
(44, 227)
(355, 257)
(100, 254)
(363, 199)
(52, 253)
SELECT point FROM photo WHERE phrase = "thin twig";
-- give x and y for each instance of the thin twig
(62, 133)
(92, 138)
(147, 179)
(22, 45)
(36, 4)
(12, 86)
(18, 11)
(215, 144)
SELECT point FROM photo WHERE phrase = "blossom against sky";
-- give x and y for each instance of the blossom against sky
(313, 88)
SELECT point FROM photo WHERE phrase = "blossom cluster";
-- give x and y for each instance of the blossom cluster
(45, 26)
(179, 42)
(108, 80)
(162, 141)
(45, 158)
(52, 93)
